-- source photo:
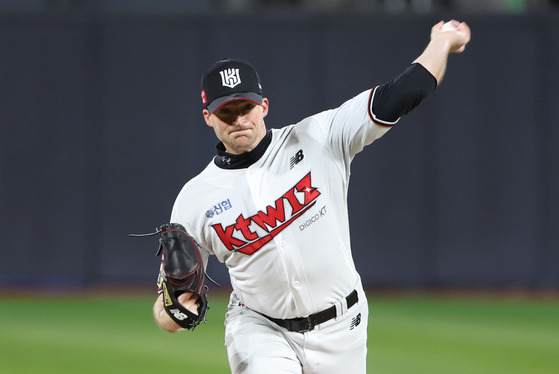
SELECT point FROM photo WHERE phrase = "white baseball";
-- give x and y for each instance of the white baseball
(448, 27)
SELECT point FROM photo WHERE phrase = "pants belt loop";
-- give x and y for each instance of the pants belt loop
(341, 307)
(344, 305)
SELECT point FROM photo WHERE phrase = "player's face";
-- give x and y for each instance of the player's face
(239, 124)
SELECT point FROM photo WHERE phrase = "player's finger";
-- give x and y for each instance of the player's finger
(189, 301)
(454, 23)
(186, 297)
(437, 26)
(465, 29)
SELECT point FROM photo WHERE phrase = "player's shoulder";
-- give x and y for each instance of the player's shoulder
(202, 182)
(324, 116)
(194, 195)
(301, 131)
(307, 127)
(280, 133)
(347, 108)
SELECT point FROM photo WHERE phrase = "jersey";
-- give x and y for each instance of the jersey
(281, 224)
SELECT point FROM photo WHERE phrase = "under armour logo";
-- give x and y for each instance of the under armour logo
(230, 77)
(355, 321)
(296, 159)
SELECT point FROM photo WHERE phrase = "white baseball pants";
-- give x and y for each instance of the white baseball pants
(256, 345)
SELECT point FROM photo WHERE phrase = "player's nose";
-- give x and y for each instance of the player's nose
(239, 119)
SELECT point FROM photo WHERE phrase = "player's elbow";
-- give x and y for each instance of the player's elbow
(394, 99)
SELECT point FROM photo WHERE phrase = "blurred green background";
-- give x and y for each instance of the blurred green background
(408, 333)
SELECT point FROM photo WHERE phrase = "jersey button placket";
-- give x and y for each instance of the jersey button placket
(254, 185)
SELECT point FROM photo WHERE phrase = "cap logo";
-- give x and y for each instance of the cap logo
(230, 77)
(204, 97)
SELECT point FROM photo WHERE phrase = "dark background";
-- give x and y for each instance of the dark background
(101, 126)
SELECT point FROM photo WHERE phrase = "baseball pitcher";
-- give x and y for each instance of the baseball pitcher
(271, 206)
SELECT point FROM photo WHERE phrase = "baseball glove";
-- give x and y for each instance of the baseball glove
(181, 271)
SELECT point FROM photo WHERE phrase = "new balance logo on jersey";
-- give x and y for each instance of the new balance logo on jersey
(296, 159)
(243, 238)
(230, 77)
(355, 321)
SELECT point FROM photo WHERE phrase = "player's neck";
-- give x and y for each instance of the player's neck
(227, 160)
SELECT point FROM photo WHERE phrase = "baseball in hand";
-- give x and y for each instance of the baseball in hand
(448, 27)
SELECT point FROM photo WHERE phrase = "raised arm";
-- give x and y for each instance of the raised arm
(434, 57)
(398, 97)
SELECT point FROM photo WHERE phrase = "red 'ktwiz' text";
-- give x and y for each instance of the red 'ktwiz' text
(287, 208)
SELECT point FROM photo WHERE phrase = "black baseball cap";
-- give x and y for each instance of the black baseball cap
(228, 80)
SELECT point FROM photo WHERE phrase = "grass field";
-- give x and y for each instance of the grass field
(417, 333)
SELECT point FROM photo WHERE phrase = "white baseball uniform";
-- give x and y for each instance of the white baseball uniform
(281, 227)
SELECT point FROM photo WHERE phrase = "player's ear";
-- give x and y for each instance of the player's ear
(265, 106)
(206, 113)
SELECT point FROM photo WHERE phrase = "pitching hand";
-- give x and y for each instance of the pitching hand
(458, 38)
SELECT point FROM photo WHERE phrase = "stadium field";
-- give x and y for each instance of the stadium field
(408, 333)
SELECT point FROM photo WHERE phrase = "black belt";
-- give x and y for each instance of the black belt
(308, 323)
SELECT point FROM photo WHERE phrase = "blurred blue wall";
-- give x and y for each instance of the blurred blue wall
(101, 126)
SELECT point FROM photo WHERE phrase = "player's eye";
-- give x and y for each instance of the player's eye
(248, 107)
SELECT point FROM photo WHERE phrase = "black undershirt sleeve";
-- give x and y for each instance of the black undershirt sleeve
(393, 99)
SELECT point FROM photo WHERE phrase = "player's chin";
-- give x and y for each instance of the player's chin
(236, 145)
(242, 139)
